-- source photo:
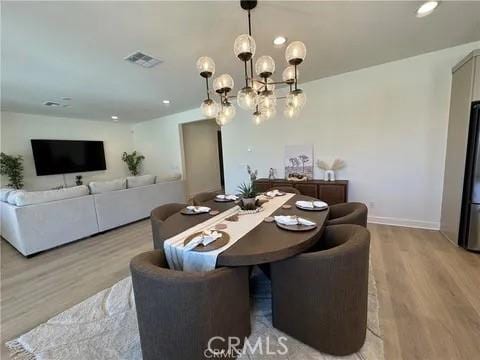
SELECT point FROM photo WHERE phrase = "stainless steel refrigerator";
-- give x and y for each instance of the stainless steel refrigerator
(469, 235)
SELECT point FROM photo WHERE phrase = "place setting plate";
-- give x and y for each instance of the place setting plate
(217, 199)
(186, 211)
(297, 227)
(217, 244)
(323, 208)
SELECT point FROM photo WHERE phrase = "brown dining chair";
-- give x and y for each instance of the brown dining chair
(157, 218)
(348, 213)
(320, 297)
(179, 312)
(286, 189)
(204, 196)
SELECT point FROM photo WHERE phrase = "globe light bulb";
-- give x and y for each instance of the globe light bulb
(295, 53)
(268, 113)
(244, 47)
(297, 99)
(205, 66)
(257, 86)
(267, 100)
(247, 98)
(290, 112)
(288, 74)
(222, 84)
(257, 118)
(265, 66)
(229, 111)
(221, 119)
(209, 108)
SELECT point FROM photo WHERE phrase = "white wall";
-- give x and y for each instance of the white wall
(388, 122)
(18, 129)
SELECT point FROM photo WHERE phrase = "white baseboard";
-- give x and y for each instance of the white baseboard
(430, 225)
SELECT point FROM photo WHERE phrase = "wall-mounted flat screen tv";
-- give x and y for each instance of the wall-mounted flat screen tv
(67, 156)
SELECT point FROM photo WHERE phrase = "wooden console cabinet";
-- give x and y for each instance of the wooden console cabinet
(332, 192)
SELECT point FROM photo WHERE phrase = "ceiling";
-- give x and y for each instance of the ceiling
(76, 49)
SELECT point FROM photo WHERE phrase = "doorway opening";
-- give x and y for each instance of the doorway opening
(203, 157)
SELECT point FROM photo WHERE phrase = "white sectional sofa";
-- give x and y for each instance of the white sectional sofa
(31, 225)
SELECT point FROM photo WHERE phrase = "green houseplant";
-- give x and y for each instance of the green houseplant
(133, 162)
(248, 196)
(12, 166)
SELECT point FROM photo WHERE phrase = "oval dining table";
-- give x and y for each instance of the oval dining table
(264, 243)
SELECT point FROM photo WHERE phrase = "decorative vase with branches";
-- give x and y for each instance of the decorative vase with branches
(133, 161)
(330, 170)
(12, 166)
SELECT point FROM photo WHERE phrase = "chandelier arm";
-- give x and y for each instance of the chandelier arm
(296, 79)
(246, 74)
(250, 34)
(208, 90)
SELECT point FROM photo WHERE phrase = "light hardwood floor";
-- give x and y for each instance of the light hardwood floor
(429, 290)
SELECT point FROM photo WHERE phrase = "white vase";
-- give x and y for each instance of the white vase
(329, 175)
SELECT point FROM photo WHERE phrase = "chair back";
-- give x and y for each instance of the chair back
(204, 196)
(178, 312)
(329, 310)
(348, 213)
(157, 217)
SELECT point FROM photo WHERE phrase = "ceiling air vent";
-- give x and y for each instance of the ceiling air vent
(51, 103)
(142, 59)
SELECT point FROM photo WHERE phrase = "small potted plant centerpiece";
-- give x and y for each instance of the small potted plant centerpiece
(248, 196)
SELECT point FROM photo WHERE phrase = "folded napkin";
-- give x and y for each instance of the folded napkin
(198, 209)
(207, 237)
(293, 220)
(273, 193)
(227, 197)
(311, 204)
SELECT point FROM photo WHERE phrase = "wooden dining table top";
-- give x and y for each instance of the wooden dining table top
(266, 242)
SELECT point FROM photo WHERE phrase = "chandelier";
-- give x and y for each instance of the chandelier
(258, 94)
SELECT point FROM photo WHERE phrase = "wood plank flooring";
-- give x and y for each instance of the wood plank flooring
(429, 290)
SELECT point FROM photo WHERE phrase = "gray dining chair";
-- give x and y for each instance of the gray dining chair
(157, 218)
(348, 213)
(320, 297)
(287, 189)
(179, 312)
(204, 196)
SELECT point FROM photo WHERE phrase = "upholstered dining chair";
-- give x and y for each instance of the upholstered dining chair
(204, 196)
(348, 213)
(179, 312)
(157, 217)
(287, 189)
(320, 297)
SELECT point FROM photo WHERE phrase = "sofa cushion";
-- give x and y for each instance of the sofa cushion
(98, 187)
(12, 196)
(4, 193)
(137, 181)
(37, 197)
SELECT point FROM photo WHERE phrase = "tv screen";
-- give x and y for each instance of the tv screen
(67, 156)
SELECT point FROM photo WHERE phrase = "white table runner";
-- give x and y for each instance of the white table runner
(180, 259)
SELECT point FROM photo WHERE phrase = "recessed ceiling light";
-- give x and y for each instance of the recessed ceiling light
(426, 8)
(279, 40)
(114, 117)
(166, 102)
(51, 103)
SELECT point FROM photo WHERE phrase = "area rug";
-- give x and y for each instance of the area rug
(105, 327)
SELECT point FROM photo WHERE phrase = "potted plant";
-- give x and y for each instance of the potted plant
(78, 180)
(12, 166)
(133, 162)
(248, 196)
